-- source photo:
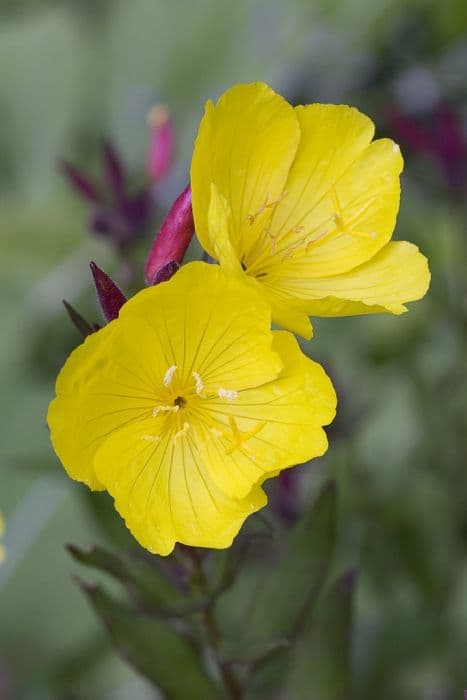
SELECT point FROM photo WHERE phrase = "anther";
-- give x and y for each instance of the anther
(183, 431)
(150, 438)
(165, 409)
(229, 394)
(168, 375)
(199, 386)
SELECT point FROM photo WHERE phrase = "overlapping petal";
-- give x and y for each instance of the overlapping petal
(165, 494)
(332, 210)
(397, 274)
(269, 427)
(245, 146)
(97, 393)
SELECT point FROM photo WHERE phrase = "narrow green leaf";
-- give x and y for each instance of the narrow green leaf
(146, 581)
(292, 586)
(321, 662)
(157, 651)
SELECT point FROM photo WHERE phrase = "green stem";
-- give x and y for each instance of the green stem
(232, 688)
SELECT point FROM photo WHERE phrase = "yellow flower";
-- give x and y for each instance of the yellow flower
(309, 206)
(2, 530)
(185, 404)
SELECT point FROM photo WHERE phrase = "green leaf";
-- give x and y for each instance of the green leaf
(157, 651)
(321, 662)
(291, 588)
(145, 580)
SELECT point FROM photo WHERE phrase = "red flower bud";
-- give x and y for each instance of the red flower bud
(111, 297)
(166, 272)
(174, 237)
(161, 145)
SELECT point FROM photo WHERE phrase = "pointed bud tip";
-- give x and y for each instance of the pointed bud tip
(78, 321)
(158, 114)
(110, 296)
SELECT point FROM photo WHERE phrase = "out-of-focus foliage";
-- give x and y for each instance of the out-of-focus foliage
(74, 71)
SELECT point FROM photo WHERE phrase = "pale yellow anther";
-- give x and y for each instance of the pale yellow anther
(164, 409)
(182, 432)
(150, 438)
(229, 394)
(199, 386)
(168, 375)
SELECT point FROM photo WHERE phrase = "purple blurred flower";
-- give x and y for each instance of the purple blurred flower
(440, 135)
(161, 145)
(116, 213)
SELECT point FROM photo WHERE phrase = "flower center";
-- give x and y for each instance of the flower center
(195, 421)
(180, 401)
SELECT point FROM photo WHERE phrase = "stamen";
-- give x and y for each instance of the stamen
(251, 218)
(165, 409)
(168, 375)
(288, 253)
(183, 431)
(273, 238)
(214, 433)
(150, 438)
(199, 386)
(229, 394)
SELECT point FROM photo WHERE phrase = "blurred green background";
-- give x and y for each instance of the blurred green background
(76, 70)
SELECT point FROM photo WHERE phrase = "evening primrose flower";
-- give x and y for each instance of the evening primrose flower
(309, 206)
(182, 406)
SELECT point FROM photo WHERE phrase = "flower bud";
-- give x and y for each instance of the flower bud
(114, 173)
(174, 237)
(161, 145)
(111, 297)
(84, 327)
(80, 183)
(166, 272)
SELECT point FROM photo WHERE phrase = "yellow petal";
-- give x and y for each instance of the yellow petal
(350, 208)
(207, 322)
(95, 396)
(245, 146)
(332, 138)
(219, 216)
(163, 491)
(271, 427)
(397, 274)
(287, 312)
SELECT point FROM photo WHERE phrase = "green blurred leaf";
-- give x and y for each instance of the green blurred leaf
(320, 664)
(144, 579)
(291, 588)
(154, 649)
